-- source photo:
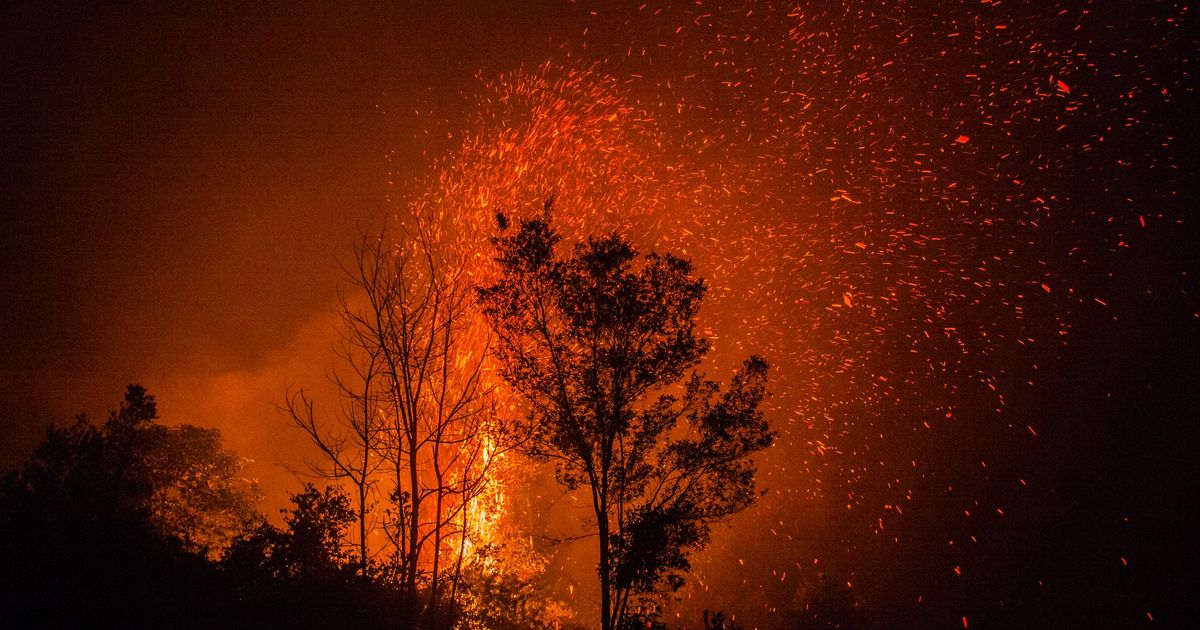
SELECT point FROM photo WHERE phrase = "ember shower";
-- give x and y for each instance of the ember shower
(904, 209)
(960, 234)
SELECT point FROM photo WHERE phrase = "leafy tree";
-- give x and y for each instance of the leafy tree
(315, 530)
(305, 575)
(112, 524)
(600, 344)
(179, 481)
(498, 598)
(414, 409)
(311, 548)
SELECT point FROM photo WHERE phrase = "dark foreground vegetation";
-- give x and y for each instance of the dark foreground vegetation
(122, 524)
(129, 523)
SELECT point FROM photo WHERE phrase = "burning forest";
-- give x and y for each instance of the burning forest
(578, 314)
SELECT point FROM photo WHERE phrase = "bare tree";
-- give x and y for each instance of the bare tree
(415, 406)
(351, 444)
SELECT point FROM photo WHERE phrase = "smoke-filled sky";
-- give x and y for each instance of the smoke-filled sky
(961, 233)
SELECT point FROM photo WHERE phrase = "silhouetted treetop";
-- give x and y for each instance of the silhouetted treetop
(598, 343)
(113, 524)
(179, 481)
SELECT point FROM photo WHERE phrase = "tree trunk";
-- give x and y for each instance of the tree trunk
(462, 548)
(362, 529)
(606, 620)
(437, 555)
(414, 530)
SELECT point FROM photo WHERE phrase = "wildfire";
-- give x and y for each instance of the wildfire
(867, 209)
(486, 511)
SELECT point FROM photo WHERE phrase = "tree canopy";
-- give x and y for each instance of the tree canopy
(121, 519)
(179, 481)
(602, 344)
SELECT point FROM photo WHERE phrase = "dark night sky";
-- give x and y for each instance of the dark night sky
(175, 184)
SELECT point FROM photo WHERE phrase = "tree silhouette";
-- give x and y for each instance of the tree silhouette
(311, 547)
(718, 621)
(180, 481)
(305, 575)
(414, 407)
(113, 524)
(600, 344)
(825, 603)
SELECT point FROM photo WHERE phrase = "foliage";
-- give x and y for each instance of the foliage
(304, 575)
(180, 481)
(410, 433)
(310, 548)
(718, 621)
(495, 598)
(826, 603)
(599, 344)
(112, 524)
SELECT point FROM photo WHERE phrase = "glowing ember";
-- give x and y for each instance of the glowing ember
(958, 231)
(800, 158)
